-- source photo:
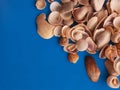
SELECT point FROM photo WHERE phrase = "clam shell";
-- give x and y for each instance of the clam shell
(113, 82)
(116, 22)
(97, 4)
(57, 31)
(116, 65)
(55, 6)
(54, 18)
(116, 37)
(44, 29)
(40, 4)
(82, 45)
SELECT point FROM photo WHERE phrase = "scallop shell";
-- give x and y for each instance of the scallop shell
(54, 18)
(55, 6)
(44, 29)
(116, 37)
(40, 4)
(113, 82)
(116, 65)
(57, 31)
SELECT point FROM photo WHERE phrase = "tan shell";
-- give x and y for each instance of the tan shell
(54, 18)
(66, 16)
(65, 32)
(110, 69)
(116, 37)
(55, 6)
(63, 41)
(113, 82)
(97, 4)
(111, 52)
(91, 24)
(68, 22)
(102, 37)
(91, 46)
(57, 31)
(44, 29)
(83, 2)
(109, 20)
(102, 52)
(118, 49)
(116, 65)
(40, 4)
(70, 48)
(73, 57)
(115, 5)
(116, 22)
(82, 45)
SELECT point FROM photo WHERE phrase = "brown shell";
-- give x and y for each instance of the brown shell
(118, 49)
(116, 23)
(66, 15)
(63, 41)
(84, 2)
(115, 37)
(40, 4)
(68, 22)
(73, 57)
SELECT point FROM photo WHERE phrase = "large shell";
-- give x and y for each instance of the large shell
(82, 45)
(115, 37)
(110, 69)
(116, 65)
(91, 46)
(40, 4)
(97, 4)
(115, 5)
(55, 18)
(116, 22)
(55, 6)
(113, 82)
(118, 49)
(44, 29)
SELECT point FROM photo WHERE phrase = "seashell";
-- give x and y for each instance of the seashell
(116, 65)
(91, 24)
(40, 4)
(111, 52)
(102, 37)
(116, 37)
(110, 69)
(65, 32)
(116, 22)
(65, 1)
(54, 18)
(114, 6)
(109, 20)
(68, 22)
(50, 1)
(55, 6)
(66, 16)
(102, 52)
(113, 82)
(44, 29)
(57, 31)
(84, 2)
(118, 49)
(91, 46)
(82, 45)
(97, 4)
(73, 57)
(63, 41)
(70, 48)
(67, 7)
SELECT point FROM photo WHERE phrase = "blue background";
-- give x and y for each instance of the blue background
(28, 62)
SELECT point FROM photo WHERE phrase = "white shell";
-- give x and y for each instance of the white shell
(55, 6)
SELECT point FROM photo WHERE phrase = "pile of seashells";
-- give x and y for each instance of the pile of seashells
(91, 25)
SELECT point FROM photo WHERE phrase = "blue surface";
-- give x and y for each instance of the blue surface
(28, 62)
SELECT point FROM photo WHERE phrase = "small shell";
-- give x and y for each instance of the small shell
(91, 46)
(40, 4)
(66, 16)
(115, 5)
(70, 48)
(116, 65)
(55, 18)
(63, 41)
(65, 31)
(116, 22)
(102, 52)
(68, 22)
(109, 20)
(57, 31)
(82, 45)
(73, 58)
(55, 6)
(97, 4)
(113, 82)
(92, 23)
(116, 37)
(84, 2)
(110, 69)
(44, 29)
(118, 49)
(111, 52)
